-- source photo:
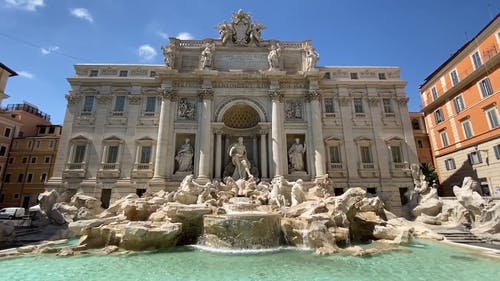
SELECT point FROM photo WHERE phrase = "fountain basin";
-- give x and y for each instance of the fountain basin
(245, 230)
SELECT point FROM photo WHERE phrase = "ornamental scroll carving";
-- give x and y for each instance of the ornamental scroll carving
(276, 95)
(135, 100)
(313, 95)
(241, 31)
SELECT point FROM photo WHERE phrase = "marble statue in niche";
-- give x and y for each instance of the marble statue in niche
(184, 157)
(238, 154)
(296, 156)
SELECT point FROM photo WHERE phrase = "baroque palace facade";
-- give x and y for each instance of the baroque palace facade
(138, 128)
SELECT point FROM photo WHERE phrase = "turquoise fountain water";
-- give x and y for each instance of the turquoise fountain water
(421, 261)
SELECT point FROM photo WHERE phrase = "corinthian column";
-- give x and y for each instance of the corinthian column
(160, 169)
(206, 96)
(317, 133)
(277, 167)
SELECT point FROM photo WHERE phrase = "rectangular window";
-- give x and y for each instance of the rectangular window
(327, 76)
(150, 104)
(335, 154)
(450, 164)
(152, 74)
(381, 76)
(119, 104)
(79, 156)
(7, 132)
(366, 154)
(3, 150)
(420, 144)
(11, 160)
(329, 108)
(51, 143)
(37, 144)
(444, 138)
(88, 103)
(25, 160)
(42, 130)
(354, 75)
(20, 178)
(476, 58)
(93, 73)
(485, 87)
(434, 93)
(475, 158)
(454, 77)
(29, 178)
(30, 144)
(438, 116)
(33, 160)
(397, 155)
(467, 125)
(7, 178)
(459, 104)
(43, 177)
(112, 156)
(47, 160)
(496, 148)
(145, 154)
(52, 129)
(387, 106)
(123, 73)
(493, 117)
(358, 105)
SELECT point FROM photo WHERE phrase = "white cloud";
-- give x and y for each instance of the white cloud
(162, 34)
(184, 36)
(82, 13)
(146, 52)
(49, 50)
(28, 5)
(26, 74)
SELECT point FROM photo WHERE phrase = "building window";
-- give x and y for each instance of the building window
(467, 125)
(371, 190)
(29, 144)
(119, 104)
(93, 73)
(493, 117)
(327, 76)
(3, 150)
(434, 93)
(145, 154)
(152, 74)
(47, 160)
(475, 157)
(387, 106)
(476, 58)
(16, 196)
(415, 124)
(33, 160)
(42, 130)
(459, 104)
(358, 105)
(25, 160)
(52, 129)
(20, 178)
(7, 178)
(14, 144)
(150, 104)
(51, 143)
(88, 104)
(112, 154)
(444, 138)
(354, 75)
(366, 154)
(29, 178)
(381, 76)
(397, 155)
(123, 73)
(485, 87)
(420, 144)
(43, 177)
(335, 157)
(79, 153)
(7, 132)
(37, 144)
(329, 107)
(496, 148)
(454, 77)
(450, 164)
(11, 160)
(438, 116)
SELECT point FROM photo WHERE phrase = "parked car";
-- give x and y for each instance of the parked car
(11, 213)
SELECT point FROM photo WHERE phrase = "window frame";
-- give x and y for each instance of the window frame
(434, 93)
(445, 141)
(454, 78)
(355, 105)
(496, 150)
(119, 105)
(450, 164)
(475, 157)
(459, 103)
(467, 128)
(88, 104)
(438, 115)
(485, 87)
(477, 62)
(494, 111)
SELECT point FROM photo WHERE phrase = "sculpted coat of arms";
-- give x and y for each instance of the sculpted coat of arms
(242, 31)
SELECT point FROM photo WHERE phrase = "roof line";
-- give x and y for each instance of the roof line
(12, 72)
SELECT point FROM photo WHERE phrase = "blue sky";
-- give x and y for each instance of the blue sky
(43, 39)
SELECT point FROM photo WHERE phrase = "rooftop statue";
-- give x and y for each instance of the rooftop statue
(168, 56)
(241, 31)
(312, 58)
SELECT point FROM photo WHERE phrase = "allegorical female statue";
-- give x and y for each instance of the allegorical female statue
(296, 156)
(184, 157)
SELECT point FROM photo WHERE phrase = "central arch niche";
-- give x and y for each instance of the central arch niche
(241, 116)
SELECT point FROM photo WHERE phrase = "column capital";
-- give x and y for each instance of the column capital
(275, 94)
(402, 100)
(312, 94)
(373, 101)
(168, 93)
(206, 93)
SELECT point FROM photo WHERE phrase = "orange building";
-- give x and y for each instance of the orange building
(30, 164)
(461, 107)
(424, 152)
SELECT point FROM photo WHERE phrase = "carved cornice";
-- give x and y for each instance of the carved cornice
(402, 100)
(207, 93)
(276, 95)
(72, 98)
(312, 95)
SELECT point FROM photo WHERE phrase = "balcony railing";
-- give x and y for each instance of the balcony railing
(76, 166)
(367, 166)
(400, 166)
(109, 166)
(143, 166)
(336, 166)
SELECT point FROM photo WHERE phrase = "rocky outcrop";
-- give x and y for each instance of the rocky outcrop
(468, 197)
(429, 204)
